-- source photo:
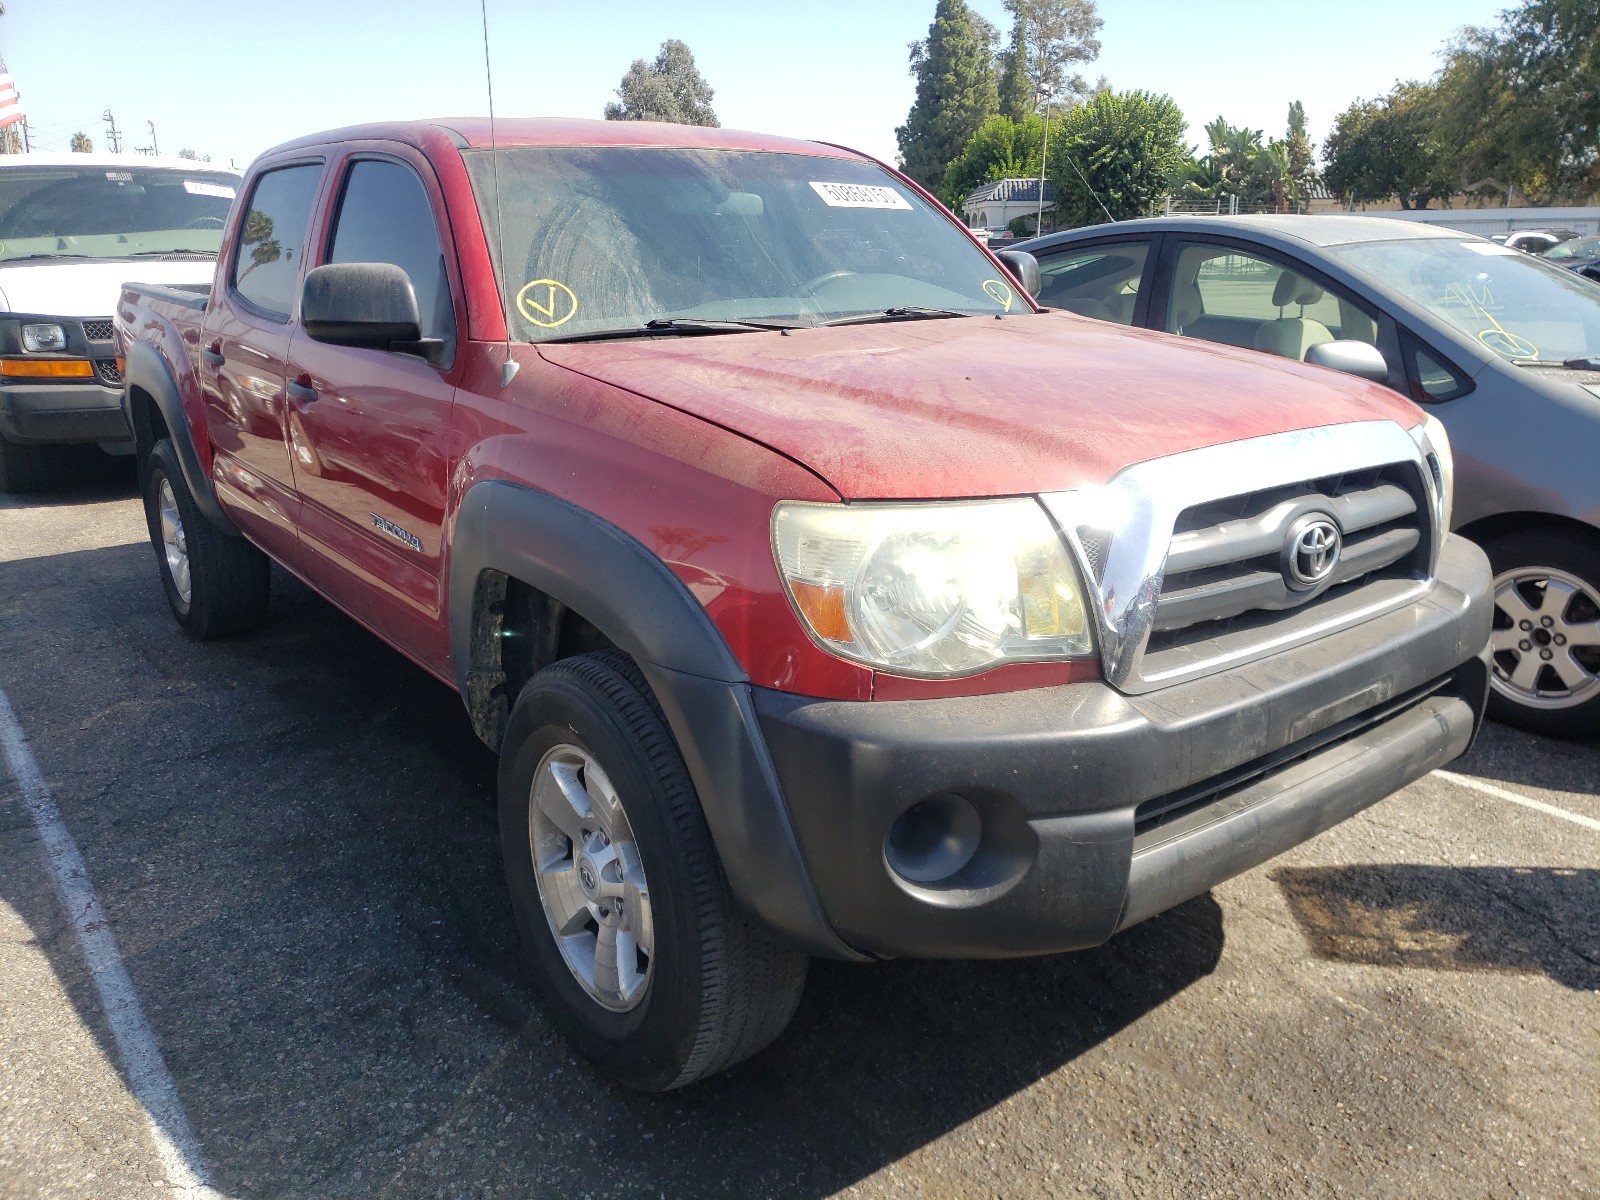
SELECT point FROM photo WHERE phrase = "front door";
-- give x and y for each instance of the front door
(369, 430)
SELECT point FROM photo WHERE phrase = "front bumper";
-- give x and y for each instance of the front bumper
(1100, 809)
(41, 413)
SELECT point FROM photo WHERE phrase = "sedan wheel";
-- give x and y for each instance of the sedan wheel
(1546, 638)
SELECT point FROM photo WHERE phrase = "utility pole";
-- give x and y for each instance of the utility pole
(113, 134)
(155, 147)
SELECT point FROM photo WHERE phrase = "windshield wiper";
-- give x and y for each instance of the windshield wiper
(169, 254)
(1587, 363)
(669, 326)
(5, 262)
(902, 312)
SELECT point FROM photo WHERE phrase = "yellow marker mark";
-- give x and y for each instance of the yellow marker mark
(547, 303)
(1000, 293)
(1497, 337)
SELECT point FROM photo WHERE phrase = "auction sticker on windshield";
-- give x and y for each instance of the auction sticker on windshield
(859, 195)
(220, 191)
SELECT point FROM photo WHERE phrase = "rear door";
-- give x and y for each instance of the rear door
(244, 348)
(370, 430)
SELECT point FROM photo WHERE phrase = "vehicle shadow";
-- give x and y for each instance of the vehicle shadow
(80, 475)
(293, 836)
(1523, 919)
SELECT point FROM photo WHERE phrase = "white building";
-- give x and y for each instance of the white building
(996, 205)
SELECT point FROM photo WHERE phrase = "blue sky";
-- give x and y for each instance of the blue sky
(230, 79)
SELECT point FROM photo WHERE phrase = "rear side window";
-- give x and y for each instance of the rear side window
(1099, 281)
(385, 217)
(267, 260)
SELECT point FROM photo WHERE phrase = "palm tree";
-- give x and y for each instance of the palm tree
(81, 143)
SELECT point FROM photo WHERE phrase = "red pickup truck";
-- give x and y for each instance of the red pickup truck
(822, 595)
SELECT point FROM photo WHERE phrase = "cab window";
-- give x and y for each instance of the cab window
(1098, 281)
(385, 216)
(266, 263)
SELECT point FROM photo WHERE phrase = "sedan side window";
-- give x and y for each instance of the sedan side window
(385, 216)
(1227, 295)
(1101, 281)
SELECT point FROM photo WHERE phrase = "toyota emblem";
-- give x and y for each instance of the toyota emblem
(1311, 551)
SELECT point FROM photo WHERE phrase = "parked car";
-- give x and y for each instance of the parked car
(734, 487)
(73, 227)
(1534, 241)
(1580, 254)
(1501, 346)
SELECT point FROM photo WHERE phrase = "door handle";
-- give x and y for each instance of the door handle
(302, 392)
(213, 355)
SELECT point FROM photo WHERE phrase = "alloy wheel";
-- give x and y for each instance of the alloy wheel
(1546, 639)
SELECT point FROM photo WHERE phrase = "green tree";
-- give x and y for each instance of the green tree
(81, 144)
(1059, 33)
(1301, 155)
(1001, 149)
(1521, 103)
(669, 89)
(1386, 148)
(1116, 155)
(954, 70)
(1016, 88)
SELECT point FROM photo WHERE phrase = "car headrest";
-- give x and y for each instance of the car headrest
(1295, 289)
(1187, 306)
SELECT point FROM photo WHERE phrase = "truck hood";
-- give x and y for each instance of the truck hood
(979, 407)
(70, 288)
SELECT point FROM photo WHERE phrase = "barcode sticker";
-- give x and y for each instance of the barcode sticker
(220, 190)
(859, 195)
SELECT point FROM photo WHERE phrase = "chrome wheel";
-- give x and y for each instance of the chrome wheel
(1546, 640)
(591, 882)
(173, 541)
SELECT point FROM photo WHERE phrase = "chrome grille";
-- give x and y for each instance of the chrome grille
(106, 368)
(98, 331)
(1225, 558)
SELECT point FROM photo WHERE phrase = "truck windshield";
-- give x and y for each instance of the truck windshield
(607, 239)
(111, 211)
(1523, 309)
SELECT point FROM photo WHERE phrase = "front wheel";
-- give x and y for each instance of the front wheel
(1546, 640)
(643, 960)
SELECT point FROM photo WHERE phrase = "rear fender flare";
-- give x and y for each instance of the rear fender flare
(148, 372)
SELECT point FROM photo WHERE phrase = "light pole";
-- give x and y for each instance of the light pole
(155, 147)
(1044, 158)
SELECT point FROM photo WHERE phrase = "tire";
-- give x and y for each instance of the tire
(696, 986)
(22, 468)
(228, 580)
(1546, 640)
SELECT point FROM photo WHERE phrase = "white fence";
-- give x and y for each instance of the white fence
(1487, 221)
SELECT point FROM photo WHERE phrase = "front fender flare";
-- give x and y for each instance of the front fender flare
(613, 581)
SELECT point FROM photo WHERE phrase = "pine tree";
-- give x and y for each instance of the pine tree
(956, 93)
(1302, 155)
(1016, 89)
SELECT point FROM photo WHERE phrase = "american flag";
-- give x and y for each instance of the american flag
(10, 103)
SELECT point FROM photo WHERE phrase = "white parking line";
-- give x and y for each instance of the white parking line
(1500, 793)
(141, 1057)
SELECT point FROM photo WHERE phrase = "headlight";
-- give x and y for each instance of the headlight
(932, 590)
(44, 339)
(1434, 443)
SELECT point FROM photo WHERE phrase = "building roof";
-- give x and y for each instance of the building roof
(1011, 191)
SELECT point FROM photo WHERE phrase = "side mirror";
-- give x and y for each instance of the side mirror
(1025, 267)
(362, 304)
(1351, 357)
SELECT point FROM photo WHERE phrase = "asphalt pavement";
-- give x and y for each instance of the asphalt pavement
(288, 840)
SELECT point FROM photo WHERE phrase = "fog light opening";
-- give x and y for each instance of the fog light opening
(933, 839)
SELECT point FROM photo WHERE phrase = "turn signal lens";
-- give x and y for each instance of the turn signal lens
(47, 368)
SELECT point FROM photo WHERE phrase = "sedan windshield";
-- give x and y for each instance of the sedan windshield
(607, 240)
(1520, 307)
(1579, 249)
(111, 212)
